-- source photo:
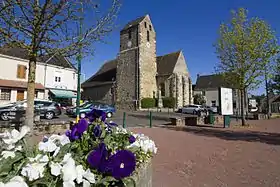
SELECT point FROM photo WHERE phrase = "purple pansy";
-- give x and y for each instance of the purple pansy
(122, 164)
(97, 131)
(97, 158)
(77, 130)
(132, 139)
(95, 114)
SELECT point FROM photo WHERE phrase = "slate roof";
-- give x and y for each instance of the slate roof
(23, 54)
(133, 23)
(166, 63)
(107, 73)
(204, 82)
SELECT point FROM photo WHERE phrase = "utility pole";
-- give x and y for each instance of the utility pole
(79, 60)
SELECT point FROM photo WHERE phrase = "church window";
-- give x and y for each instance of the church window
(150, 27)
(145, 24)
(129, 34)
(162, 89)
(148, 36)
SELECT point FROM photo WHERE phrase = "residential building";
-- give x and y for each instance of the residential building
(208, 86)
(56, 77)
(138, 73)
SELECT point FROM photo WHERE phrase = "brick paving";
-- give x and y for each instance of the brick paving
(215, 157)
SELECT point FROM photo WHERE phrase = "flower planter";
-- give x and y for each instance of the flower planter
(143, 175)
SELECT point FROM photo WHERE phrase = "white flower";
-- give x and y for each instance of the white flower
(144, 143)
(63, 139)
(56, 152)
(18, 148)
(69, 169)
(86, 183)
(35, 159)
(121, 130)
(7, 154)
(44, 159)
(68, 184)
(10, 147)
(89, 176)
(55, 168)
(80, 172)
(33, 171)
(66, 157)
(48, 146)
(16, 181)
(15, 136)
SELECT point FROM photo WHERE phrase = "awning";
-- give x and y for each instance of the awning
(63, 93)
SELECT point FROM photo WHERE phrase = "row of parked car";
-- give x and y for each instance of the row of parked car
(197, 109)
(49, 109)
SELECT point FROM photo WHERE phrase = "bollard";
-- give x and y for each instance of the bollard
(151, 118)
(124, 120)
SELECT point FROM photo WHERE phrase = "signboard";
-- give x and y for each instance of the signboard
(226, 101)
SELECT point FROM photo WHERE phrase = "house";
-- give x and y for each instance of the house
(208, 86)
(138, 73)
(56, 77)
(274, 102)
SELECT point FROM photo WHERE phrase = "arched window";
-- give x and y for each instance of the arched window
(148, 36)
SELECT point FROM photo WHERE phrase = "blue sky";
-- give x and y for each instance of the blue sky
(190, 25)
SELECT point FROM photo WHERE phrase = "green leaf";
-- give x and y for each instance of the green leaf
(129, 181)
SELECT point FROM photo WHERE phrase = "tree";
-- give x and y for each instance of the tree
(244, 47)
(48, 28)
(199, 99)
(275, 81)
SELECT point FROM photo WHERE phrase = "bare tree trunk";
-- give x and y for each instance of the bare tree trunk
(242, 107)
(29, 120)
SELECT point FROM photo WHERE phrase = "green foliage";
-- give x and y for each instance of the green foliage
(168, 102)
(148, 103)
(274, 85)
(245, 47)
(199, 99)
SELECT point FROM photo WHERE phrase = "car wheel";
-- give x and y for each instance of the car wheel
(4, 116)
(49, 115)
(109, 114)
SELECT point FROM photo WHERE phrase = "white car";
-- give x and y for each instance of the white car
(191, 109)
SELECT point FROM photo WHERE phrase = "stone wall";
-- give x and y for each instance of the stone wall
(102, 93)
(179, 90)
(147, 59)
(143, 175)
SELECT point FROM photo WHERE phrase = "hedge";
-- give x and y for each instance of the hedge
(148, 103)
(168, 102)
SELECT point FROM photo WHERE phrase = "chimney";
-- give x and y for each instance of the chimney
(197, 75)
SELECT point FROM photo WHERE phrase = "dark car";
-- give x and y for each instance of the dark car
(46, 109)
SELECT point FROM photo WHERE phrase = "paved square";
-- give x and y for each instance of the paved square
(213, 157)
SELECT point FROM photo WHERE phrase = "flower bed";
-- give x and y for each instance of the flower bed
(93, 153)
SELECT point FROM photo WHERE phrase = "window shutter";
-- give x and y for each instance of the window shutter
(23, 72)
(19, 71)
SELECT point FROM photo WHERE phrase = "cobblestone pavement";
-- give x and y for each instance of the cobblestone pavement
(215, 157)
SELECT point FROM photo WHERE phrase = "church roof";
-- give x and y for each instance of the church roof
(166, 63)
(107, 73)
(133, 23)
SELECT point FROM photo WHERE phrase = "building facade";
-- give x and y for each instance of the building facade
(57, 75)
(138, 73)
(208, 86)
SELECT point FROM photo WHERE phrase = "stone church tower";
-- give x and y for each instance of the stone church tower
(136, 64)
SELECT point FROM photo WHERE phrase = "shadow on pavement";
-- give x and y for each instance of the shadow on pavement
(218, 132)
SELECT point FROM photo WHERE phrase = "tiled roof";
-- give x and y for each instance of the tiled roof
(133, 23)
(211, 82)
(57, 60)
(166, 63)
(18, 84)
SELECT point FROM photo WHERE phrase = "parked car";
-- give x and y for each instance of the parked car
(69, 109)
(211, 109)
(47, 109)
(192, 109)
(108, 109)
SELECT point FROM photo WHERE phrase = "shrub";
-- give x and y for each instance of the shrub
(148, 103)
(168, 102)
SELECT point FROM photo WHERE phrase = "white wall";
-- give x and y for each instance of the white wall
(210, 96)
(9, 66)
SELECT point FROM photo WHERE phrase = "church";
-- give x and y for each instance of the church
(138, 73)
